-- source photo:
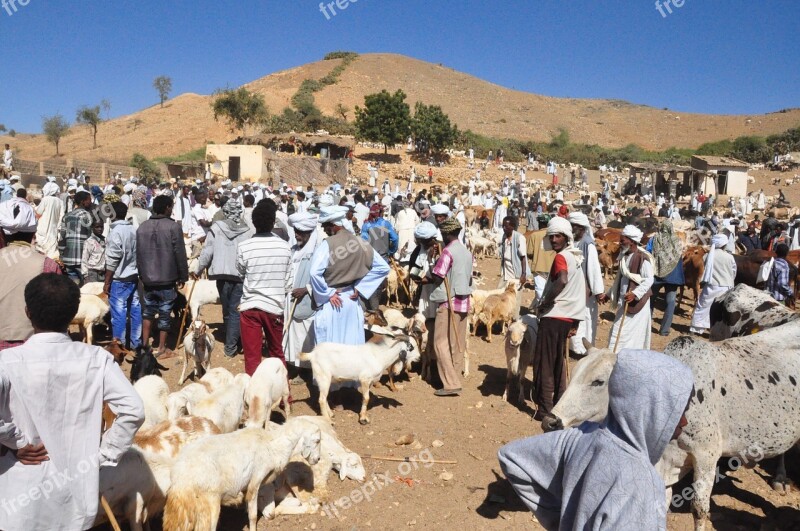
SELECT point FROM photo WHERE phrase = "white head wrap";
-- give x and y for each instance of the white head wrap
(559, 225)
(50, 188)
(24, 221)
(130, 187)
(72, 188)
(579, 218)
(333, 214)
(426, 230)
(325, 200)
(51, 179)
(440, 209)
(633, 233)
(73, 182)
(719, 241)
(303, 221)
(14, 178)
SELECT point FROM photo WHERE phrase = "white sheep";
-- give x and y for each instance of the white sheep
(477, 300)
(268, 386)
(178, 401)
(153, 391)
(520, 342)
(205, 292)
(218, 470)
(136, 488)
(224, 407)
(217, 378)
(357, 363)
(198, 344)
(91, 311)
(93, 288)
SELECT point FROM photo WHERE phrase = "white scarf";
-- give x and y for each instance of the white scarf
(625, 272)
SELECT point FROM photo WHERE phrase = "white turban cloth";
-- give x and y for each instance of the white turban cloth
(579, 218)
(130, 187)
(325, 200)
(333, 214)
(303, 221)
(559, 225)
(633, 233)
(23, 221)
(440, 210)
(73, 182)
(717, 242)
(426, 230)
(50, 188)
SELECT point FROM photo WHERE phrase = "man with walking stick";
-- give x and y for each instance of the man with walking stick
(560, 310)
(452, 278)
(630, 294)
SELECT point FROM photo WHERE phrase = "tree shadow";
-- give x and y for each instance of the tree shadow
(387, 158)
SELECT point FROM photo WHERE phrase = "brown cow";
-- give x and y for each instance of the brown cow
(607, 254)
(693, 268)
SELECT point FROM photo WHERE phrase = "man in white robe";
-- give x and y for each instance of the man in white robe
(632, 286)
(718, 278)
(584, 241)
(298, 312)
(51, 402)
(761, 203)
(49, 213)
(405, 222)
(340, 318)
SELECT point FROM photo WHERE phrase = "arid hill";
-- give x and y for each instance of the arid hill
(186, 122)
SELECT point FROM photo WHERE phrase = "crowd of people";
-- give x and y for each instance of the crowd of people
(295, 268)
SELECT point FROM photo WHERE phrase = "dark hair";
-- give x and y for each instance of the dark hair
(52, 301)
(249, 200)
(80, 197)
(222, 200)
(781, 250)
(22, 192)
(513, 220)
(161, 203)
(120, 210)
(264, 216)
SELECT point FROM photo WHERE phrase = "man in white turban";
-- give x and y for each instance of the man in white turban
(49, 212)
(584, 241)
(299, 312)
(718, 279)
(405, 222)
(343, 268)
(631, 293)
(560, 310)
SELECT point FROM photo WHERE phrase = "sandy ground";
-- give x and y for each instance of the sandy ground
(469, 429)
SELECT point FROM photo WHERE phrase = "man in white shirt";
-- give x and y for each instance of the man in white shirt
(201, 215)
(52, 451)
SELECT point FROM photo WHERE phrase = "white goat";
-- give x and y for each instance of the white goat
(360, 363)
(217, 378)
(220, 469)
(205, 292)
(520, 342)
(136, 488)
(198, 343)
(178, 401)
(478, 298)
(91, 311)
(414, 327)
(268, 386)
(153, 391)
(224, 407)
(93, 288)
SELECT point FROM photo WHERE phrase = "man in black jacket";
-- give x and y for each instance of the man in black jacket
(163, 268)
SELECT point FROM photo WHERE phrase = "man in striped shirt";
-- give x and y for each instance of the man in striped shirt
(265, 263)
(778, 281)
(75, 230)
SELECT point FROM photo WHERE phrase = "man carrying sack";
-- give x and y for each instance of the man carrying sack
(452, 278)
(630, 294)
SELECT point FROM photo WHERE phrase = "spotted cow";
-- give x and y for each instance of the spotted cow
(745, 403)
(744, 311)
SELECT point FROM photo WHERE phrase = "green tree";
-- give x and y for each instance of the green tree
(751, 149)
(55, 128)
(105, 104)
(342, 111)
(12, 133)
(3, 128)
(163, 85)
(432, 126)
(148, 170)
(90, 116)
(385, 118)
(240, 108)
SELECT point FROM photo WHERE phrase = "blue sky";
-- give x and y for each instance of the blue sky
(732, 57)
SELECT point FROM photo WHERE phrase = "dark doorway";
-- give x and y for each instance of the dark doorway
(722, 183)
(234, 166)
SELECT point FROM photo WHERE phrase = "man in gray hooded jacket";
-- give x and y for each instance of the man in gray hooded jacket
(219, 256)
(603, 476)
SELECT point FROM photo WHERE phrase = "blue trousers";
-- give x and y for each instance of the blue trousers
(230, 295)
(126, 310)
(670, 294)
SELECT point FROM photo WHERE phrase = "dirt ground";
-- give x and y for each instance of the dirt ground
(468, 430)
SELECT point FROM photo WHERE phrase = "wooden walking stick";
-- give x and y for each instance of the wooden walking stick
(185, 311)
(289, 322)
(109, 513)
(621, 324)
